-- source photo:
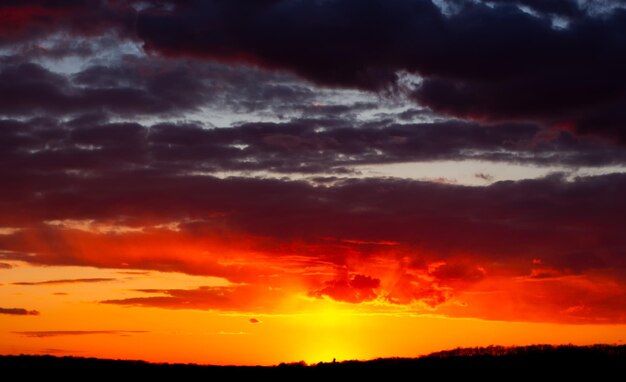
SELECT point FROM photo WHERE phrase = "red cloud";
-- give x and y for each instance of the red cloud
(359, 288)
(455, 245)
(236, 298)
(18, 17)
(28, 20)
(463, 271)
(416, 287)
(567, 299)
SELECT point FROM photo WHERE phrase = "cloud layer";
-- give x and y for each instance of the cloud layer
(556, 63)
(227, 138)
(479, 62)
(398, 241)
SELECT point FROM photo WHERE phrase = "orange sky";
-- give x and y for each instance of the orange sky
(267, 309)
(72, 321)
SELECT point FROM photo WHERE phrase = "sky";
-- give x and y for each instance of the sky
(262, 181)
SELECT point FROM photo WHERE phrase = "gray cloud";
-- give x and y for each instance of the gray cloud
(18, 312)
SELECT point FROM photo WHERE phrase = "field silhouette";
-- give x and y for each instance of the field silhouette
(537, 362)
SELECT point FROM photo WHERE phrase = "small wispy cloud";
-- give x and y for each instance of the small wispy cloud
(18, 312)
(64, 281)
(59, 333)
(484, 176)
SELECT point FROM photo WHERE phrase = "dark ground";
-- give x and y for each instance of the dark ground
(539, 362)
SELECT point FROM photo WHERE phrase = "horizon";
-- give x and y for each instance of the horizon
(493, 350)
(264, 181)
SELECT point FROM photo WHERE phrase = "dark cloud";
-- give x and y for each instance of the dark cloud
(18, 312)
(23, 21)
(59, 333)
(488, 60)
(483, 176)
(28, 88)
(137, 86)
(5, 266)
(254, 321)
(90, 145)
(459, 271)
(289, 35)
(506, 219)
(479, 62)
(58, 48)
(64, 281)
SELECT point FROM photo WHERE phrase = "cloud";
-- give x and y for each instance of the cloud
(574, 299)
(18, 312)
(254, 321)
(235, 298)
(544, 273)
(134, 86)
(5, 266)
(300, 146)
(385, 211)
(479, 62)
(61, 333)
(112, 141)
(558, 64)
(448, 239)
(63, 281)
(124, 91)
(483, 176)
(564, 8)
(457, 271)
(26, 20)
(357, 289)
(542, 216)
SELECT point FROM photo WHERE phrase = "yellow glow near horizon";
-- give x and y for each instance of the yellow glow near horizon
(322, 331)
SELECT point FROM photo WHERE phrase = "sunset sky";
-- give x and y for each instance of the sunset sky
(265, 181)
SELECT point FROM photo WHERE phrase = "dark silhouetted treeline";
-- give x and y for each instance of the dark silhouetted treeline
(538, 362)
